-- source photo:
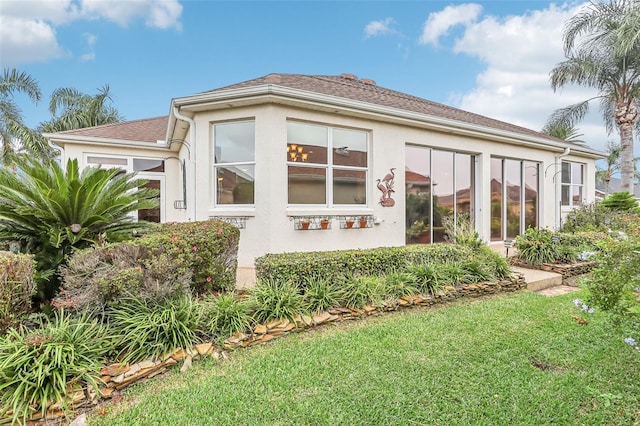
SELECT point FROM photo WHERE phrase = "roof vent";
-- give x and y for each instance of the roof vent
(348, 76)
(368, 81)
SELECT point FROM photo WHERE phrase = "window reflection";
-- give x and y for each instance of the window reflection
(235, 185)
(151, 215)
(307, 185)
(496, 199)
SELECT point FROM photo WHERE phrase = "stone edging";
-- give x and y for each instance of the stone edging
(118, 376)
(567, 270)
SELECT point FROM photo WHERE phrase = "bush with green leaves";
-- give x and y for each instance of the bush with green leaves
(208, 248)
(271, 299)
(596, 217)
(51, 211)
(333, 265)
(226, 314)
(621, 202)
(43, 365)
(320, 294)
(97, 277)
(17, 286)
(615, 279)
(153, 328)
(537, 246)
(459, 229)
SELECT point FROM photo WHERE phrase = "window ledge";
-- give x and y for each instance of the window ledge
(223, 212)
(355, 211)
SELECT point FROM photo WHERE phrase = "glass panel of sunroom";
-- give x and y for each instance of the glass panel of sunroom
(443, 190)
(531, 194)
(513, 179)
(349, 148)
(496, 199)
(418, 194)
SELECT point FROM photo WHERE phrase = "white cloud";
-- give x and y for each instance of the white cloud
(27, 41)
(376, 28)
(28, 31)
(519, 52)
(438, 24)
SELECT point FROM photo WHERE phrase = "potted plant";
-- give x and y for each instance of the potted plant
(304, 224)
(349, 223)
(363, 221)
(324, 223)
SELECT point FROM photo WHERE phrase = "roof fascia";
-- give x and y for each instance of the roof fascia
(61, 140)
(381, 112)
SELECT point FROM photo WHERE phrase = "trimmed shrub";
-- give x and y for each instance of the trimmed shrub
(333, 265)
(47, 364)
(151, 329)
(17, 286)
(95, 278)
(271, 299)
(209, 249)
(226, 314)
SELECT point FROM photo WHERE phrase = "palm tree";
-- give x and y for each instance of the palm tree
(72, 109)
(12, 128)
(564, 131)
(613, 166)
(595, 58)
(51, 211)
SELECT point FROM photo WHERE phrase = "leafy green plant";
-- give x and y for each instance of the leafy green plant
(97, 277)
(43, 365)
(427, 277)
(398, 284)
(459, 229)
(16, 287)
(455, 273)
(613, 282)
(496, 264)
(320, 294)
(477, 271)
(272, 299)
(226, 314)
(358, 291)
(209, 249)
(537, 246)
(52, 211)
(150, 329)
(620, 201)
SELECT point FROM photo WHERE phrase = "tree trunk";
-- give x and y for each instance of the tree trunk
(626, 114)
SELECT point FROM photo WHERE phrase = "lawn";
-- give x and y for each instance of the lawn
(510, 359)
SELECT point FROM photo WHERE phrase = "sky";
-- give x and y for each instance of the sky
(488, 57)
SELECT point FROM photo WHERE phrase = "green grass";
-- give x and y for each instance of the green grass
(469, 363)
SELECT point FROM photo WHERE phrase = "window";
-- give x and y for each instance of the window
(572, 183)
(326, 165)
(234, 163)
(514, 197)
(148, 169)
(439, 185)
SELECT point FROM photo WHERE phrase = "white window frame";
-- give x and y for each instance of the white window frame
(571, 184)
(330, 167)
(128, 168)
(214, 166)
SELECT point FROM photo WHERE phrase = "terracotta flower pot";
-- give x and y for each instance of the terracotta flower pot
(305, 225)
(349, 224)
(363, 224)
(324, 224)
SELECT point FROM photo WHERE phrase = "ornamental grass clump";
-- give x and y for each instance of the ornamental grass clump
(226, 314)
(359, 291)
(47, 364)
(398, 284)
(427, 277)
(320, 294)
(153, 328)
(537, 246)
(272, 299)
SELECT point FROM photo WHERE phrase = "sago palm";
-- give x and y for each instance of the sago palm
(51, 211)
(595, 59)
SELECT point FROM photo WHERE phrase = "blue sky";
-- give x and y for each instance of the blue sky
(489, 57)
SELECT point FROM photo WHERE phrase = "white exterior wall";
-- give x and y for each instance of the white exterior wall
(269, 228)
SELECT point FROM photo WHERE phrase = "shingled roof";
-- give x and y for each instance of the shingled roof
(145, 130)
(365, 90)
